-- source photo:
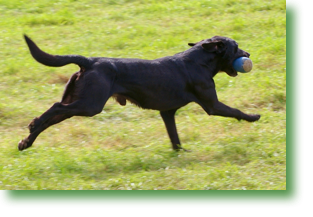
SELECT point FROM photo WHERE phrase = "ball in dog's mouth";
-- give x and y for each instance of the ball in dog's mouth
(242, 64)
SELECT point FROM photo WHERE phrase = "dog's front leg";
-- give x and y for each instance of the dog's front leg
(209, 102)
(169, 121)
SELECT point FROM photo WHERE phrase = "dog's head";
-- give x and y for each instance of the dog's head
(226, 49)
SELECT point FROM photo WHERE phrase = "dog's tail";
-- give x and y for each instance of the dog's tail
(55, 60)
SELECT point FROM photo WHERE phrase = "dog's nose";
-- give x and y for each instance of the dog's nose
(247, 54)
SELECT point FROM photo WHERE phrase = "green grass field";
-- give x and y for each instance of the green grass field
(127, 147)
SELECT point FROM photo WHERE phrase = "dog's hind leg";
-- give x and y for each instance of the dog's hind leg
(89, 102)
(27, 142)
(57, 113)
(169, 121)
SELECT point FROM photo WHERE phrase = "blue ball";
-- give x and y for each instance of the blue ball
(242, 64)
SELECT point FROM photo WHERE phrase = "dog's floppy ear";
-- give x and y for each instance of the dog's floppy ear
(214, 46)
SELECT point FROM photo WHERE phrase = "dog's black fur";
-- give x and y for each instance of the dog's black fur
(164, 84)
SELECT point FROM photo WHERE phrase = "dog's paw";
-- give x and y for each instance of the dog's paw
(252, 118)
(23, 144)
(179, 148)
(33, 125)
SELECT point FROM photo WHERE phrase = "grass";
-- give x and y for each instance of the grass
(126, 147)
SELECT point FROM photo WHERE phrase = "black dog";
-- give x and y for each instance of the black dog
(164, 84)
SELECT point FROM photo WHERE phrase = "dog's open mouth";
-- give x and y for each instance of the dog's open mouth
(234, 73)
(231, 71)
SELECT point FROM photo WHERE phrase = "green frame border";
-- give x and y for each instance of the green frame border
(198, 194)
